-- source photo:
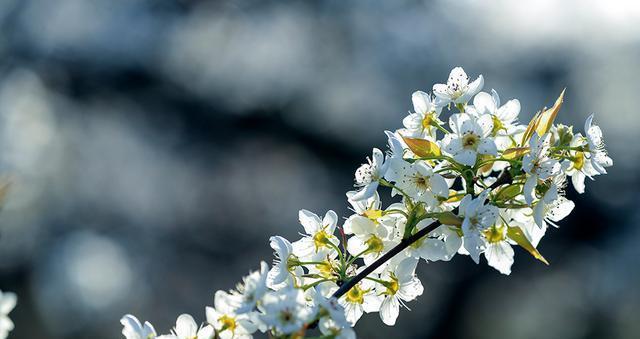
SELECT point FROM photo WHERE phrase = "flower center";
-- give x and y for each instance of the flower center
(392, 285)
(372, 214)
(578, 161)
(374, 244)
(355, 295)
(422, 183)
(494, 234)
(325, 269)
(321, 239)
(227, 323)
(497, 125)
(428, 121)
(286, 316)
(470, 141)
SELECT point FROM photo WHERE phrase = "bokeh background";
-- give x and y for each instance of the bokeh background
(155, 145)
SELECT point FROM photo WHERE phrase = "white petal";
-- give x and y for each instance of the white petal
(8, 301)
(310, 221)
(330, 220)
(500, 256)
(487, 146)
(440, 91)
(466, 157)
(486, 125)
(509, 111)
(529, 188)
(185, 326)
(389, 310)
(484, 103)
(421, 102)
(439, 186)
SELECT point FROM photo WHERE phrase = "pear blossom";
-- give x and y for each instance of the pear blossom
(225, 321)
(252, 289)
(369, 174)
(328, 280)
(285, 310)
(419, 180)
(458, 89)
(186, 328)
(133, 329)
(498, 251)
(597, 154)
(470, 138)
(553, 206)
(420, 124)
(478, 217)
(318, 239)
(538, 165)
(8, 301)
(280, 271)
(440, 245)
(504, 119)
(400, 285)
(360, 299)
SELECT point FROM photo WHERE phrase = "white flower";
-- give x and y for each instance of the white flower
(251, 290)
(477, 218)
(498, 250)
(421, 123)
(470, 137)
(285, 310)
(318, 240)
(280, 271)
(538, 165)
(504, 117)
(597, 154)
(400, 285)
(504, 120)
(458, 89)
(553, 206)
(369, 238)
(225, 321)
(8, 301)
(132, 329)
(359, 299)
(440, 244)
(334, 309)
(331, 329)
(368, 175)
(419, 181)
(186, 328)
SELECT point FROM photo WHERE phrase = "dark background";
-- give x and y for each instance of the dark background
(154, 146)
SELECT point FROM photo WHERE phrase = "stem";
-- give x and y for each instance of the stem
(404, 243)
(505, 177)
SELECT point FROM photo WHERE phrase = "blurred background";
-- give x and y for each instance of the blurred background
(154, 146)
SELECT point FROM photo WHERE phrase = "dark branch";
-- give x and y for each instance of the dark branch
(503, 178)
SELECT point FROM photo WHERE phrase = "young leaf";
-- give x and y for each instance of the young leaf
(545, 121)
(515, 233)
(528, 133)
(515, 152)
(422, 147)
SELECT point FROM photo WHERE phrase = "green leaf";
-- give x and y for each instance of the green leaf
(515, 233)
(448, 218)
(508, 193)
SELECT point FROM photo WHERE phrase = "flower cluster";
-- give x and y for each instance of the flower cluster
(7, 303)
(465, 177)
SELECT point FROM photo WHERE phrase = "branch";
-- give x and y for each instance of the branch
(503, 178)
